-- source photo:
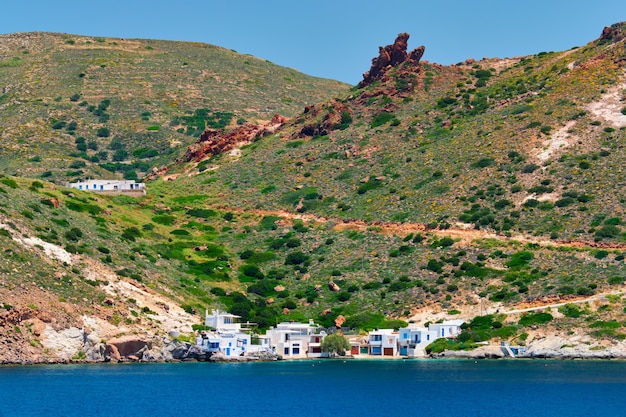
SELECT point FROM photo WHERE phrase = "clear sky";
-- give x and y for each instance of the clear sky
(331, 38)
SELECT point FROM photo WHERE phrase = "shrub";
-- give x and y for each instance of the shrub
(570, 310)
(346, 120)
(131, 233)
(9, 182)
(520, 259)
(381, 118)
(343, 296)
(74, 234)
(601, 254)
(252, 271)
(201, 213)
(371, 184)
(296, 258)
(564, 202)
(530, 168)
(164, 219)
(607, 231)
(483, 163)
(535, 318)
(103, 132)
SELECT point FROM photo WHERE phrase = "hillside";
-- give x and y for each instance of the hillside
(74, 106)
(427, 192)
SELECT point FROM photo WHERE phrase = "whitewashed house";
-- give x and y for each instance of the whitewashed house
(450, 328)
(109, 186)
(414, 339)
(226, 335)
(291, 340)
(315, 345)
(383, 342)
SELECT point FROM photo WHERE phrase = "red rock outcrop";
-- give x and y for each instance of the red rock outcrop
(391, 56)
(214, 142)
(332, 120)
(614, 33)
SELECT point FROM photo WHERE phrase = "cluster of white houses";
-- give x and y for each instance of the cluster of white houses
(304, 340)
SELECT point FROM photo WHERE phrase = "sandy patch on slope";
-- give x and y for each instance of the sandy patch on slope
(51, 250)
(167, 315)
(609, 107)
(559, 140)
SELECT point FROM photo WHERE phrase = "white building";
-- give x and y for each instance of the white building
(383, 342)
(292, 340)
(414, 339)
(226, 335)
(450, 328)
(222, 321)
(109, 186)
(315, 345)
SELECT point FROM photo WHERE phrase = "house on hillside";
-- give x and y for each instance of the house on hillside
(110, 186)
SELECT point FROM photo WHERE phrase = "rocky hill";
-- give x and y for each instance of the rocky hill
(75, 106)
(487, 190)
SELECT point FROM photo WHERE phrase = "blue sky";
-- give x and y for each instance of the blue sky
(331, 38)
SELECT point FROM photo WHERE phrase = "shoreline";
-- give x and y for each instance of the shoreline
(444, 356)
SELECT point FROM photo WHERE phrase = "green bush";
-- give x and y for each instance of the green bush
(535, 318)
(381, 118)
(520, 259)
(164, 219)
(296, 258)
(483, 163)
(530, 168)
(131, 233)
(9, 182)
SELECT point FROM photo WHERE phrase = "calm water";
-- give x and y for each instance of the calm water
(312, 388)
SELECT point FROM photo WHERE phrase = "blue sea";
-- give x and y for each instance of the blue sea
(318, 388)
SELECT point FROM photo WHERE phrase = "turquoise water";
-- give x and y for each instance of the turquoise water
(314, 388)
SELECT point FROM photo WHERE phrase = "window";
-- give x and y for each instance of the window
(427, 337)
(296, 350)
(94, 186)
(80, 187)
(286, 351)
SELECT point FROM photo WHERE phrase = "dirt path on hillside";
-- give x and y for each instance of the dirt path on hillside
(573, 300)
(465, 233)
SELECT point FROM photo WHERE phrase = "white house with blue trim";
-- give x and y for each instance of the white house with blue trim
(226, 335)
(109, 186)
(413, 339)
(292, 340)
(383, 342)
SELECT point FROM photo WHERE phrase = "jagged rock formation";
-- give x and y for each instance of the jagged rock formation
(391, 56)
(214, 142)
(614, 33)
